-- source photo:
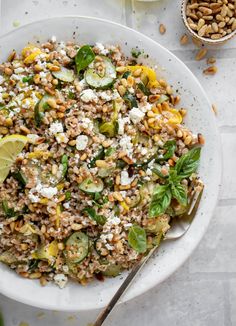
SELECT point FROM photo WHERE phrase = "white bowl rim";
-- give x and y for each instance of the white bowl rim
(128, 296)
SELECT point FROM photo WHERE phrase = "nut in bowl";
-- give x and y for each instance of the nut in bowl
(212, 22)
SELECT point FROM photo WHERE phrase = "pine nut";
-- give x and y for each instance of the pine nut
(201, 54)
(184, 39)
(210, 71)
(201, 139)
(137, 72)
(211, 60)
(202, 31)
(162, 29)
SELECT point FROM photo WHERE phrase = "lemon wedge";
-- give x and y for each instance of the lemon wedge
(10, 147)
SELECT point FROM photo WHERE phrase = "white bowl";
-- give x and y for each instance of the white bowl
(200, 119)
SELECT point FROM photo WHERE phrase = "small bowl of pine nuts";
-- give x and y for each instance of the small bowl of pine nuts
(210, 21)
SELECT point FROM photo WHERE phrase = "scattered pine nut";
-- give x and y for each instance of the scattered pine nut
(212, 70)
(162, 29)
(211, 60)
(184, 39)
(201, 54)
(214, 108)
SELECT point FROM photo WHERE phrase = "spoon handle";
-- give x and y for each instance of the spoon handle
(136, 268)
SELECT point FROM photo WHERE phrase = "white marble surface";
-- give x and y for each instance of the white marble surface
(203, 291)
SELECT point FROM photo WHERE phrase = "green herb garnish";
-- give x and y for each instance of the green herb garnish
(162, 195)
(64, 162)
(9, 212)
(137, 239)
(84, 57)
(28, 79)
(136, 53)
(100, 219)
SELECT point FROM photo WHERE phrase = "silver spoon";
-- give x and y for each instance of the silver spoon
(179, 226)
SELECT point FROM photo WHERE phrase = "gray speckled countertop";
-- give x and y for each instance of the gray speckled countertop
(203, 291)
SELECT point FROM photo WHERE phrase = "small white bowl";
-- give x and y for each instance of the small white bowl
(204, 40)
(200, 118)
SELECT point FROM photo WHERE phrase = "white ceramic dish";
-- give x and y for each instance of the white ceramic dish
(200, 118)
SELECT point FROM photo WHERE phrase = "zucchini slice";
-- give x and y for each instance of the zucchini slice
(91, 186)
(66, 75)
(112, 270)
(77, 247)
(95, 80)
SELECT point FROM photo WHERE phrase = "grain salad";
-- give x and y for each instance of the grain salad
(95, 161)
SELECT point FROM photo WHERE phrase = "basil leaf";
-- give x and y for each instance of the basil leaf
(67, 195)
(64, 162)
(157, 170)
(170, 147)
(20, 177)
(179, 192)
(126, 74)
(173, 176)
(84, 57)
(9, 212)
(99, 156)
(137, 239)
(144, 89)
(28, 79)
(100, 219)
(130, 100)
(135, 53)
(110, 151)
(161, 199)
(188, 163)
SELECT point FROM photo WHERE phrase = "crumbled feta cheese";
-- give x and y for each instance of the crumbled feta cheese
(126, 145)
(60, 280)
(48, 192)
(121, 124)
(2, 79)
(87, 124)
(32, 138)
(144, 151)
(63, 52)
(83, 83)
(136, 115)
(151, 163)
(115, 220)
(125, 179)
(53, 39)
(55, 128)
(104, 96)
(26, 104)
(102, 49)
(131, 90)
(42, 74)
(66, 205)
(147, 107)
(18, 70)
(81, 142)
(109, 247)
(62, 138)
(88, 95)
(149, 171)
(1, 228)
(65, 268)
(33, 198)
(127, 225)
(115, 94)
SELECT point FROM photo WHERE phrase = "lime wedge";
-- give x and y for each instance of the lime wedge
(10, 147)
